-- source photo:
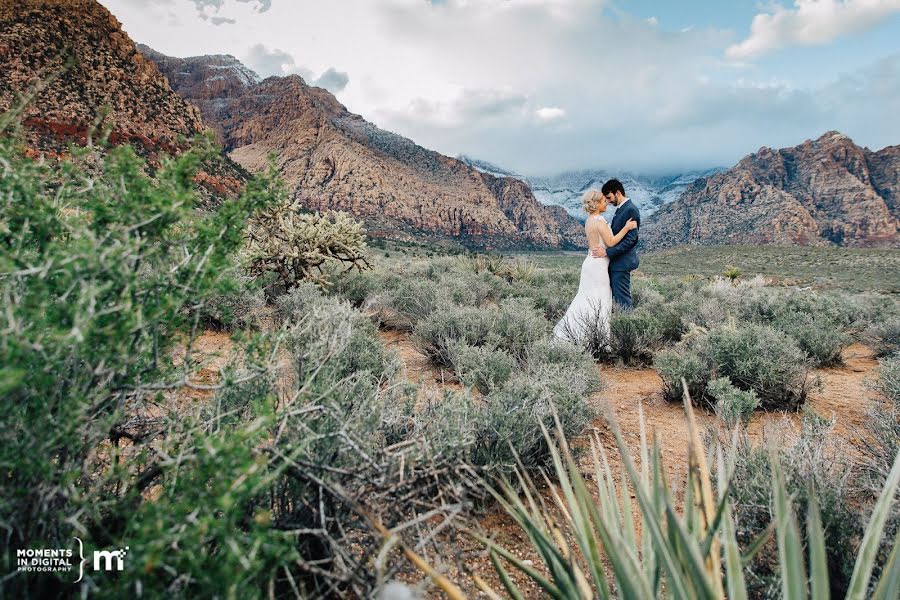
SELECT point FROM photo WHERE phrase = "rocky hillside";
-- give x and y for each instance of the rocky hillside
(84, 71)
(827, 191)
(332, 158)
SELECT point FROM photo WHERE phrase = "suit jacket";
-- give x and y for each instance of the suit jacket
(623, 256)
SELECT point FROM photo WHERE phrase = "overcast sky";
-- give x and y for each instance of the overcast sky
(540, 86)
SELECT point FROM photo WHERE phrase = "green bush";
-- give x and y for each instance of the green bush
(126, 269)
(822, 339)
(814, 460)
(634, 335)
(889, 378)
(732, 405)
(411, 301)
(512, 327)
(481, 367)
(333, 343)
(237, 306)
(754, 357)
(359, 286)
(885, 337)
(685, 362)
(508, 424)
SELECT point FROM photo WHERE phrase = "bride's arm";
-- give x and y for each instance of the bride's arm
(607, 236)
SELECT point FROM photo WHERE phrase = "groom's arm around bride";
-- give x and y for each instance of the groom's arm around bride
(623, 258)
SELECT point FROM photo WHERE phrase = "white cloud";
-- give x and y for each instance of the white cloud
(808, 23)
(469, 77)
(268, 62)
(550, 113)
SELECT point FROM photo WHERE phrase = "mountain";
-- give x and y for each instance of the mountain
(333, 159)
(84, 71)
(827, 191)
(486, 167)
(648, 192)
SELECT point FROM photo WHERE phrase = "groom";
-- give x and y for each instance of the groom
(623, 258)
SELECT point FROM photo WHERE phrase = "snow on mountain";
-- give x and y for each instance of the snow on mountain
(648, 192)
(489, 168)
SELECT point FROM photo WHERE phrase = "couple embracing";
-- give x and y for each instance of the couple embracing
(606, 272)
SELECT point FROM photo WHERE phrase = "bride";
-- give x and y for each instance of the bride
(592, 304)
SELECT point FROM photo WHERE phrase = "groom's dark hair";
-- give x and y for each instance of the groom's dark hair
(612, 186)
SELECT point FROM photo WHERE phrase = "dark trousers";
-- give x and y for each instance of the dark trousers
(621, 288)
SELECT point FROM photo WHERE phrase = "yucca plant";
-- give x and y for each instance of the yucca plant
(590, 544)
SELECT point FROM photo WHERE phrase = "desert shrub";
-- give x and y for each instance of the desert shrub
(703, 311)
(516, 325)
(634, 335)
(513, 326)
(86, 345)
(333, 343)
(452, 323)
(508, 424)
(885, 337)
(819, 323)
(237, 306)
(552, 358)
(686, 363)
(754, 357)
(472, 289)
(551, 292)
(882, 430)
(814, 460)
(295, 304)
(732, 405)
(481, 367)
(821, 338)
(410, 301)
(359, 286)
(889, 378)
(761, 359)
(294, 246)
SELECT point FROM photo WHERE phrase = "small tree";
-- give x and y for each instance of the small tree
(296, 245)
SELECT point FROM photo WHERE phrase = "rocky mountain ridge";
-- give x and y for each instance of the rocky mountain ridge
(74, 70)
(333, 159)
(823, 191)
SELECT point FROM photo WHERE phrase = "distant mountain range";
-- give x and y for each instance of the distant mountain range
(566, 189)
(649, 192)
(328, 157)
(824, 191)
(333, 159)
(83, 70)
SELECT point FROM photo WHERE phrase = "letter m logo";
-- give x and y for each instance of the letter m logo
(108, 556)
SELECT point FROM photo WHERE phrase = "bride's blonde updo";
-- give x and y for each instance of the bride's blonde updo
(591, 201)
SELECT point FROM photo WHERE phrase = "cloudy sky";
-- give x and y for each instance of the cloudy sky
(540, 86)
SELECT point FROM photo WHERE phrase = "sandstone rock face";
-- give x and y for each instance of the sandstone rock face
(84, 71)
(333, 159)
(39, 37)
(827, 191)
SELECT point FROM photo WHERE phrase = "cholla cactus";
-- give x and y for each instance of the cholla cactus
(297, 245)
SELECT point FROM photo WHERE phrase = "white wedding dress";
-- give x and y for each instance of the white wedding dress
(592, 304)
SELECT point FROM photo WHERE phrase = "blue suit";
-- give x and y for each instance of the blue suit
(623, 258)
